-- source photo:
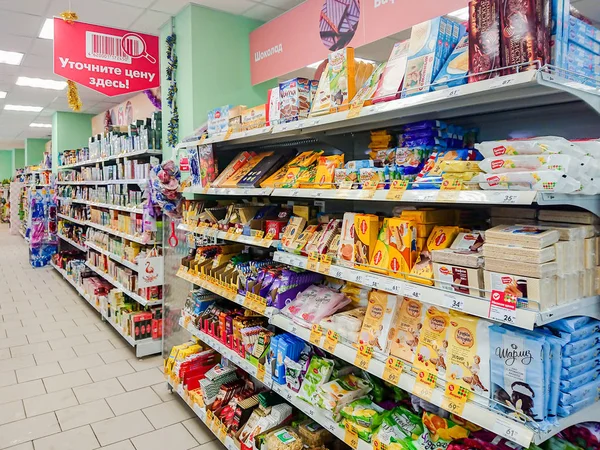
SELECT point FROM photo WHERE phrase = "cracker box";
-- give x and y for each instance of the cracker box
(540, 291)
(392, 77)
(366, 227)
(559, 35)
(579, 27)
(366, 92)
(463, 280)
(218, 118)
(314, 87)
(456, 69)
(254, 117)
(518, 34)
(273, 107)
(381, 255)
(342, 78)
(378, 327)
(294, 99)
(402, 246)
(484, 39)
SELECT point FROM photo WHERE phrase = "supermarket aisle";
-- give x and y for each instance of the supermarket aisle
(68, 381)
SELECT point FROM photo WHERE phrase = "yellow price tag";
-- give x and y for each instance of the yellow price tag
(369, 188)
(260, 304)
(392, 370)
(261, 372)
(455, 397)
(268, 240)
(249, 300)
(397, 190)
(449, 191)
(325, 264)
(216, 425)
(363, 356)
(230, 233)
(316, 334)
(355, 110)
(186, 321)
(331, 340)
(228, 134)
(222, 432)
(181, 271)
(424, 385)
(203, 138)
(259, 235)
(210, 417)
(313, 262)
(350, 436)
(377, 445)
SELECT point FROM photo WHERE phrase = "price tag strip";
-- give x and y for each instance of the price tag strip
(503, 308)
(425, 385)
(313, 262)
(350, 436)
(325, 264)
(363, 356)
(316, 334)
(397, 189)
(455, 397)
(331, 341)
(393, 370)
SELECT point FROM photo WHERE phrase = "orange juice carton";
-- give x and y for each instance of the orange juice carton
(408, 329)
(381, 255)
(432, 349)
(366, 227)
(402, 246)
(380, 319)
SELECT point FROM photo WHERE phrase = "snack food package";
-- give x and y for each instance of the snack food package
(365, 414)
(400, 425)
(519, 37)
(273, 107)
(523, 163)
(456, 69)
(379, 322)
(469, 354)
(463, 258)
(532, 146)
(342, 78)
(313, 434)
(512, 252)
(365, 94)
(366, 228)
(318, 373)
(294, 99)
(381, 254)
(408, 329)
(521, 268)
(346, 323)
(439, 432)
(345, 254)
(285, 438)
(432, 349)
(527, 236)
(543, 180)
(335, 394)
(484, 39)
(315, 303)
(402, 246)
(463, 280)
(530, 291)
(392, 77)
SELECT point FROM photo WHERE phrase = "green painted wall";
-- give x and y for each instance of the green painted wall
(18, 158)
(213, 51)
(69, 131)
(6, 167)
(34, 151)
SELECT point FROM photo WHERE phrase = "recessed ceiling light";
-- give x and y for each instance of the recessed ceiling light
(40, 83)
(12, 58)
(2, 94)
(460, 14)
(40, 125)
(47, 31)
(318, 63)
(23, 108)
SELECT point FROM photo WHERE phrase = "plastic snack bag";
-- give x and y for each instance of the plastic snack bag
(318, 373)
(544, 180)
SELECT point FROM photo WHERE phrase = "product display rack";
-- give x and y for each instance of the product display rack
(496, 106)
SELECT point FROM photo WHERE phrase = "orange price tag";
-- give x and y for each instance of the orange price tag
(363, 356)
(350, 436)
(259, 235)
(313, 262)
(186, 321)
(455, 397)
(424, 385)
(228, 134)
(230, 233)
(355, 110)
(449, 191)
(325, 264)
(397, 190)
(392, 370)
(222, 432)
(316, 334)
(331, 340)
(210, 417)
(260, 372)
(260, 304)
(203, 138)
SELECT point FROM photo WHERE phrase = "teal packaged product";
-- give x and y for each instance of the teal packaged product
(580, 358)
(574, 371)
(573, 383)
(579, 394)
(456, 69)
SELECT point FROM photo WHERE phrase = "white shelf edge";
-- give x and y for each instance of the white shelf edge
(118, 233)
(219, 234)
(113, 256)
(242, 191)
(99, 183)
(103, 205)
(83, 248)
(71, 219)
(110, 158)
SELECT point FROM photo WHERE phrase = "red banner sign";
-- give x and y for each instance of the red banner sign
(310, 31)
(107, 60)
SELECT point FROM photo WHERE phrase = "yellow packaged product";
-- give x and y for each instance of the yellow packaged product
(422, 271)
(424, 230)
(342, 78)
(460, 166)
(381, 255)
(306, 177)
(408, 329)
(469, 354)
(276, 180)
(462, 176)
(378, 328)
(442, 237)
(298, 166)
(292, 230)
(432, 351)
(429, 215)
(421, 243)
(233, 180)
(366, 227)
(402, 246)
(324, 178)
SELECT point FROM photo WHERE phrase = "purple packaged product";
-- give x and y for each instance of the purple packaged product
(425, 142)
(424, 124)
(427, 133)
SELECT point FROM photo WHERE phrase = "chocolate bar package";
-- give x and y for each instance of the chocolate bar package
(484, 39)
(294, 99)
(263, 169)
(519, 34)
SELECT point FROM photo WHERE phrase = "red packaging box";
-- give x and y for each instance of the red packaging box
(519, 34)
(484, 39)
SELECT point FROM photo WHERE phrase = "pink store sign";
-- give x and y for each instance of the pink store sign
(310, 31)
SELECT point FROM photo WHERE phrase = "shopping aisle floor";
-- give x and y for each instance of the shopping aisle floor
(68, 381)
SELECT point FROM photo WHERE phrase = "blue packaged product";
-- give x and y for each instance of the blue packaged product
(427, 133)
(567, 410)
(579, 394)
(582, 331)
(517, 370)
(576, 51)
(288, 346)
(578, 26)
(574, 371)
(585, 43)
(569, 324)
(272, 355)
(424, 124)
(425, 142)
(559, 34)
(456, 68)
(573, 348)
(575, 382)
(555, 347)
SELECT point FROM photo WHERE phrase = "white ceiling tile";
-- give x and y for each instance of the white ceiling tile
(13, 43)
(41, 47)
(169, 6)
(230, 6)
(150, 22)
(46, 112)
(22, 95)
(20, 24)
(38, 61)
(35, 7)
(98, 12)
(263, 12)
(283, 4)
(136, 3)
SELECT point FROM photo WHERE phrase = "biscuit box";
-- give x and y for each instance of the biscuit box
(366, 229)
(402, 246)
(390, 83)
(539, 291)
(218, 118)
(272, 107)
(579, 27)
(254, 117)
(294, 97)
(518, 34)
(342, 78)
(484, 39)
(455, 71)
(463, 280)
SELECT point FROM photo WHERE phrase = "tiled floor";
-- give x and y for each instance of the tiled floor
(68, 381)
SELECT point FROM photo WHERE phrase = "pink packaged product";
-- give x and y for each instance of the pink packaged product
(294, 99)
(314, 304)
(273, 107)
(391, 80)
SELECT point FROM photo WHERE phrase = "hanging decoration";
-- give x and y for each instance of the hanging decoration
(153, 99)
(72, 92)
(173, 127)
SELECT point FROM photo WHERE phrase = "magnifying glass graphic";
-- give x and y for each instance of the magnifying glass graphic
(134, 46)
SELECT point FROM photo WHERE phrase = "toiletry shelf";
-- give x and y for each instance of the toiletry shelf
(81, 247)
(135, 209)
(91, 162)
(210, 232)
(109, 230)
(72, 219)
(113, 256)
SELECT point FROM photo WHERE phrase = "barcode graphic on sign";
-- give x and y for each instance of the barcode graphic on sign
(106, 47)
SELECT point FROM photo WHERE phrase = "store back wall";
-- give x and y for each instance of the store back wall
(6, 161)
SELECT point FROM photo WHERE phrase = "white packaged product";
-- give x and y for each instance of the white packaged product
(540, 291)
(463, 258)
(529, 236)
(532, 146)
(467, 241)
(522, 268)
(543, 180)
(521, 163)
(518, 253)
(589, 146)
(571, 231)
(589, 253)
(522, 213)
(556, 215)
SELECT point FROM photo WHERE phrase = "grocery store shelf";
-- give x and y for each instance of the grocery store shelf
(81, 247)
(109, 230)
(144, 347)
(228, 191)
(142, 301)
(23, 234)
(91, 162)
(98, 183)
(71, 219)
(135, 209)
(113, 256)
(233, 237)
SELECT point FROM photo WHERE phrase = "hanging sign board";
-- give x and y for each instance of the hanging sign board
(151, 272)
(310, 31)
(107, 60)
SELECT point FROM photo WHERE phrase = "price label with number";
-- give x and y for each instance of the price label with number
(355, 110)
(260, 304)
(210, 417)
(316, 334)
(325, 264)
(249, 300)
(424, 385)
(369, 188)
(392, 370)
(453, 93)
(331, 340)
(413, 291)
(261, 372)
(397, 190)
(228, 134)
(259, 235)
(449, 191)
(268, 239)
(230, 233)
(313, 262)
(455, 397)
(363, 356)
(350, 436)
(503, 307)
(454, 301)
(203, 138)
(506, 428)
(222, 432)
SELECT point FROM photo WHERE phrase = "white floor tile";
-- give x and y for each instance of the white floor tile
(37, 372)
(78, 439)
(4, 353)
(119, 354)
(31, 329)
(49, 402)
(123, 445)
(8, 378)
(67, 342)
(54, 355)
(106, 371)
(96, 347)
(97, 336)
(80, 331)
(21, 391)
(112, 430)
(61, 325)
(95, 391)
(168, 413)
(13, 341)
(146, 363)
(84, 362)
(17, 363)
(141, 379)
(88, 413)
(200, 431)
(176, 435)
(29, 349)
(134, 400)
(45, 336)
(15, 433)
(68, 380)
(163, 392)
(11, 412)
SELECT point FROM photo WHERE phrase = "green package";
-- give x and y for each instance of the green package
(319, 371)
